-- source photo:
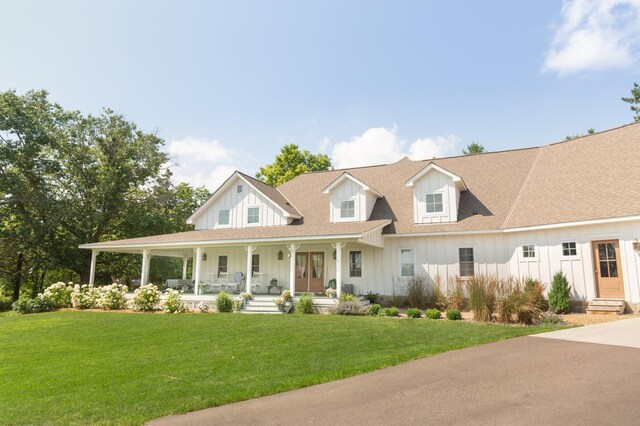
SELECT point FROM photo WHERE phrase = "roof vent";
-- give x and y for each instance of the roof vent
(475, 212)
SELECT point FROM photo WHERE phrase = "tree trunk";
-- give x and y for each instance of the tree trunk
(17, 277)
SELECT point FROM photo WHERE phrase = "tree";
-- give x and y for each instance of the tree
(634, 101)
(589, 132)
(290, 163)
(560, 294)
(474, 148)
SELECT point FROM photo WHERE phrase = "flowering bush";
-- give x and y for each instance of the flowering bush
(30, 306)
(173, 303)
(237, 304)
(85, 296)
(113, 297)
(146, 298)
(246, 295)
(59, 294)
(286, 295)
(331, 292)
(204, 307)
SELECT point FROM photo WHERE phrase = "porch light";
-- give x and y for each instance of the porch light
(280, 255)
(636, 245)
(204, 257)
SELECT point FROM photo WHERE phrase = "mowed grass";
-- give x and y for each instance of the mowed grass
(120, 368)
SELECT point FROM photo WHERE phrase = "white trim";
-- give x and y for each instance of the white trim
(442, 203)
(536, 252)
(475, 262)
(359, 250)
(570, 256)
(246, 215)
(413, 256)
(223, 225)
(346, 175)
(353, 218)
(457, 180)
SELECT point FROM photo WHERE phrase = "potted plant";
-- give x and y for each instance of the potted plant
(331, 292)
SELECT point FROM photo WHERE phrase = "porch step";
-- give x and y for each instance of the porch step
(262, 305)
(606, 306)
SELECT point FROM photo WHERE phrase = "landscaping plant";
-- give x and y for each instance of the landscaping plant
(59, 294)
(246, 295)
(372, 297)
(113, 297)
(414, 313)
(331, 292)
(173, 303)
(483, 296)
(518, 304)
(347, 297)
(345, 307)
(85, 296)
(432, 314)
(305, 304)
(224, 302)
(391, 312)
(416, 289)
(560, 294)
(32, 305)
(454, 315)
(374, 310)
(146, 298)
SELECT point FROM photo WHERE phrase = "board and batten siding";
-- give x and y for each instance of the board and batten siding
(435, 182)
(350, 190)
(238, 203)
(501, 255)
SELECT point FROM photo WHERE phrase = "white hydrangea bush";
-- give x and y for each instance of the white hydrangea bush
(146, 298)
(85, 296)
(59, 295)
(173, 303)
(113, 297)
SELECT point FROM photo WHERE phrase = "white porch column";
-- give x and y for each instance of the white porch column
(249, 250)
(338, 246)
(185, 261)
(197, 268)
(92, 270)
(292, 267)
(146, 258)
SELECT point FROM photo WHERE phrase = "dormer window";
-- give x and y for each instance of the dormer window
(434, 203)
(347, 209)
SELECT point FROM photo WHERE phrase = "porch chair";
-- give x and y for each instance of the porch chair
(238, 280)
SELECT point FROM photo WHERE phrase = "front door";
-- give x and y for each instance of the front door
(606, 257)
(309, 272)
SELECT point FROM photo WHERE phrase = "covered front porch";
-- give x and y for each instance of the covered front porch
(305, 265)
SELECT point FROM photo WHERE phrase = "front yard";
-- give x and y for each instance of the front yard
(75, 367)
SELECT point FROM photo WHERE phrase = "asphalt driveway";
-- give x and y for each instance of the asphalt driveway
(525, 381)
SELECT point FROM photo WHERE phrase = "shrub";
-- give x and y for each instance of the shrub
(5, 303)
(347, 297)
(305, 304)
(414, 313)
(374, 310)
(372, 297)
(536, 291)
(237, 304)
(31, 306)
(173, 303)
(550, 318)
(146, 298)
(437, 299)
(560, 294)
(224, 302)
(59, 294)
(432, 314)
(204, 307)
(519, 305)
(454, 315)
(286, 295)
(416, 289)
(455, 296)
(85, 296)
(483, 295)
(246, 295)
(113, 297)
(391, 312)
(331, 292)
(346, 307)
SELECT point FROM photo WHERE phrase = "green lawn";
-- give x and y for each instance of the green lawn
(121, 368)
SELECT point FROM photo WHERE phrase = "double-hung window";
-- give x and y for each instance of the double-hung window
(347, 209)
(407, 263)
(223, 217)
(355, 264)
(434, 203)
(253, 215)
(467, 268)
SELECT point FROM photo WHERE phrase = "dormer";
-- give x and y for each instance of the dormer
(351, 200)
(244, 202)
(436, 194)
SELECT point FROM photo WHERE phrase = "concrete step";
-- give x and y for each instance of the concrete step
(607, 302)
(261, 312)
(606, 306)
(260, 303)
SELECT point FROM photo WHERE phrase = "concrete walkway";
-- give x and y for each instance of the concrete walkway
(522, 381)
(617, 333)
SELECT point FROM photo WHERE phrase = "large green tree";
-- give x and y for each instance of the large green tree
(291, 162)
(474, 148)
(634, 101)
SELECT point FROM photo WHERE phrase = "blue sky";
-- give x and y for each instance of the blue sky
(226, 84)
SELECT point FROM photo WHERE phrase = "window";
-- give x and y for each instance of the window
(347, 209)
(434, 203)
(223, 217)
(355, 264)
(222, 266)
(255, 264)
(569, 249)
(239, 189)
(253, 215)
(406, 263)
(467, 268)
(528, 251)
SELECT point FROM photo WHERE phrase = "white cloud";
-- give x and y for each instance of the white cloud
(379, 145)
(595, 35)
(324, 144)
(200, 162)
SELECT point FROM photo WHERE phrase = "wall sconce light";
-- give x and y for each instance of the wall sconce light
(636, 245)
(280, 255)
(334, 255)
(204, 257)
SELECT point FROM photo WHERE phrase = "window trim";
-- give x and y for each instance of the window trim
(570, 256)
(426, 203)
(348, 218)
(246, 216)
(413, 258)
(361, 263)
(255, 271)
(224, 225)
(536, 252)
(239, 188)
(226, 266)
(473, 262)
